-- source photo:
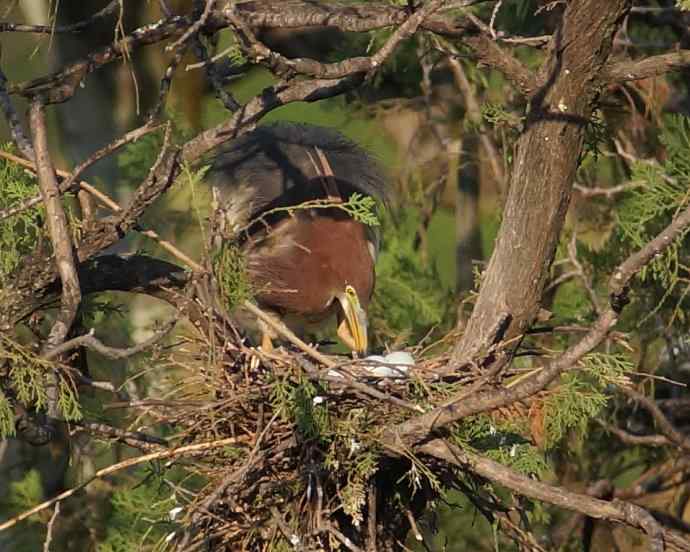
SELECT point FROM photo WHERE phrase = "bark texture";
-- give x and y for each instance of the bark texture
(547, 155)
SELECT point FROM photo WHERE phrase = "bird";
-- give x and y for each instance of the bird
(282, 187)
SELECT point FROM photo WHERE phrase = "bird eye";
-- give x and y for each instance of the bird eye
(350, 290)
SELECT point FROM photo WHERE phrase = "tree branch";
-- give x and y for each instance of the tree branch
(547, 156)
(663, 423)
(58, 230)
(616, 510)
(651, 66)
(90, 342)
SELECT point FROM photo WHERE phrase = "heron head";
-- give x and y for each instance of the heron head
(352, 320)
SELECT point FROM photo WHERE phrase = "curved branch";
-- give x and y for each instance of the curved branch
(615, 510)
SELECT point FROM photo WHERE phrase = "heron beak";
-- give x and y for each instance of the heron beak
(352, 329)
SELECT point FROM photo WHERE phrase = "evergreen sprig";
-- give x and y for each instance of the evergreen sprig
(18, 233)
(230, 270)
(647, 209)
(27, 381)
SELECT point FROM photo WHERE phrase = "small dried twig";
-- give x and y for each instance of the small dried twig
(214, 76)
(580, 271)
(166, 83)
(49, 530)
(492, 22)
(608, 193)
(342, 539)
(194, 449)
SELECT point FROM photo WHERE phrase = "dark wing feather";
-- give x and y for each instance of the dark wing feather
(273, 162)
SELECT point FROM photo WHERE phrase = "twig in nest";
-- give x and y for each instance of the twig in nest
(239, 473)
(342, 539)
(283, 330)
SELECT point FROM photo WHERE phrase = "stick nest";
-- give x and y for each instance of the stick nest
(307, 466)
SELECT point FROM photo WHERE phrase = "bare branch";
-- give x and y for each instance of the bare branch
(135, 439)
(60, 86)
(188, 450)
(283, 66)
(93, 343)
(650, 66)
(194, 28)
(246, 118)
(616, 510)
(16, 129)
(214, 76)
(631, 439)
(663, 423)
(58, 230)
(110, 8)
(51, 524)
(608, 193)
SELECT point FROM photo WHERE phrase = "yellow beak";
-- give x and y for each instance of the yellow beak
(352, 328)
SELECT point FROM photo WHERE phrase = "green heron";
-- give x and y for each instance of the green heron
(305, 264)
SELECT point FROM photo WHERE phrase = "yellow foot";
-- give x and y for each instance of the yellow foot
(266, 343)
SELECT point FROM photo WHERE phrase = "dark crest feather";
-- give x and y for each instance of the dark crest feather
(273, 161)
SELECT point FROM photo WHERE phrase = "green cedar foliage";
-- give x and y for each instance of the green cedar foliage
(409, 298)
(23, 494)
(18, 233)
(141, 516)
(645, 211)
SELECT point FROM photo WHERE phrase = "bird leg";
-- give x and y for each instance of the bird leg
(266, 342)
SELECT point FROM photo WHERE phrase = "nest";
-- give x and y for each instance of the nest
(303, 461)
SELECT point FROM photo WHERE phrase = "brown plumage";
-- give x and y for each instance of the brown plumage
(304, 264)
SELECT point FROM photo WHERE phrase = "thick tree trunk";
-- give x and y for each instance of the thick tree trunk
(547, 156)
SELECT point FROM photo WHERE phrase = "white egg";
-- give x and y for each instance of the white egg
(400, 358)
